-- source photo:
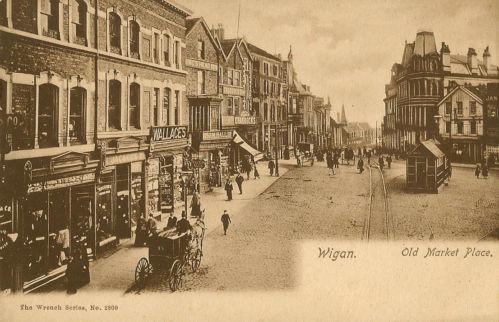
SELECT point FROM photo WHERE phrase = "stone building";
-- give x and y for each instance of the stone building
(94, 93)
(422, 79)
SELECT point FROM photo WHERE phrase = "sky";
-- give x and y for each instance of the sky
(345, 49)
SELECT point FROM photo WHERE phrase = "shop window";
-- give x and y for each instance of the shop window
(114, 113)
(134, 110)
(47, 115)
(473, 127)
(134, 39)
(77, 114)
(104, 216)
(59, 236)
(123, 200)
(459, 108)
(153, 190)
(460, 127)
(6, 212)
(472, 107)
(155, 107)
(49, 15)
(36, 235)
(82, 217)
(115, 32)
(166, 105)
(166, 50)
(176, 111)
(137, 194)
(201, 49)
(79, 22)
(201, 82)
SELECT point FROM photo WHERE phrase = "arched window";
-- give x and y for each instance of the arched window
(114, 111)
(134, 39)
(47, 115)
(79, 22)
(78, 103)
(166, 105)
(134, 110)
(115, 32)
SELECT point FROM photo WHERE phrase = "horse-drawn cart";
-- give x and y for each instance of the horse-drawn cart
(172, 253)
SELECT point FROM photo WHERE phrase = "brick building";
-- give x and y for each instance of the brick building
(96, 106)
(269, 100)
(210, 143)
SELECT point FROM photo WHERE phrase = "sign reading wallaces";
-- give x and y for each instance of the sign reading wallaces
(166, 133)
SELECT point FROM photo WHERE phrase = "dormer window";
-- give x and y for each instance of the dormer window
(49, 18)
(134, 39)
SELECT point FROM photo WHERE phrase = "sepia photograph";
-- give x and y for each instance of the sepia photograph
(249, 160)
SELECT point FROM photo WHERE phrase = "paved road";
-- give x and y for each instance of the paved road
(260, 249)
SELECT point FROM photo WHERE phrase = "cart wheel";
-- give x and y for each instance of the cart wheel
(142, 271)
(176, 273)
(196, 260)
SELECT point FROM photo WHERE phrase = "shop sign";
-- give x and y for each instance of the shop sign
(217, 135)
(61, 183)
(167, 133)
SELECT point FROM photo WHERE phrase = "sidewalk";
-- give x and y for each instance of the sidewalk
(115, 272)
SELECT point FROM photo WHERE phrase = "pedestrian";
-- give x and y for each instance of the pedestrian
(485, 172)
(477, 171)
(389, 161)
(172, 221)
(183, 225)
(271, 167)
(151, 225)
(248, 171)
(360, 165)
(239, 181)
(196, 204)
(225, 221)
(255, 171)
(381, 162)
(228, 189)
(369, 157)
(141, 232)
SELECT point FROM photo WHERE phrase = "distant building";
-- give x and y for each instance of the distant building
(420, 81)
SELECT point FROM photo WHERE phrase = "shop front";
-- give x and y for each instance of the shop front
(120, 191)
(210, 160)
(51, 216)
(167, 169)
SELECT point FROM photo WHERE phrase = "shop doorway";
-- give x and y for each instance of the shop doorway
(123, 201)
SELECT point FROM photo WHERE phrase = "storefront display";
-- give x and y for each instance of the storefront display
(105, 230)
(123, 200)
(166, 185)
(153, 187)
(137, 194)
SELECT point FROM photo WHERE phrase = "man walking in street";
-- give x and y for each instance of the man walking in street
(225, 221)
(271, 167)
(228, 189)
(360, 165)
(239, 181)
(389, 161)
(255, 171)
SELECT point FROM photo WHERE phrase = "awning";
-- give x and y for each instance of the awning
(237, 139)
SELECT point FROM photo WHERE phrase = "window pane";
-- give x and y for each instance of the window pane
(115, 104)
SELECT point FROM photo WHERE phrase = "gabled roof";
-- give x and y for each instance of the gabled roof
(228, 45)
(430, 146)
(459, 65)
(258, 51)
(464, 89)
(192, 22)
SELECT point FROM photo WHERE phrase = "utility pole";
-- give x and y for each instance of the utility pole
(276, 151)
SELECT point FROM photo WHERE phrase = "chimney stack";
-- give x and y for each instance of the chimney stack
(472, 61)
(218, 32)
(486, 58)
(445, 57)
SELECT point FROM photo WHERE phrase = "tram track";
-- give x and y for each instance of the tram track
(378, 224)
